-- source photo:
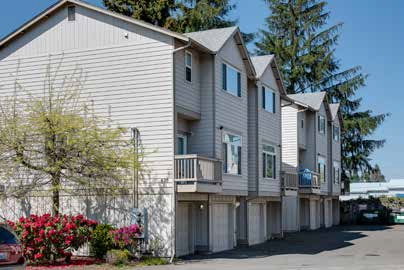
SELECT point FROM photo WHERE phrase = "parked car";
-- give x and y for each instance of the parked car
(11, 256)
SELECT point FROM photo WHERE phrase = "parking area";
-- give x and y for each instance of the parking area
(353, 247)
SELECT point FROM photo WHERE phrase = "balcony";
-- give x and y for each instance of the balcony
(194, 173)
(309, 182)
(290, 183)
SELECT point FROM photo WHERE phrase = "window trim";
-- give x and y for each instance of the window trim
(321, 130)
(224, 153)
(264, 90)
(322, 160)
(188, 53)
(273, 154)
(335, 127)
(238, 91)
(336, 167)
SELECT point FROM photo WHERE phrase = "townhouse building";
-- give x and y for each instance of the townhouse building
(311, 160)
(221, 139)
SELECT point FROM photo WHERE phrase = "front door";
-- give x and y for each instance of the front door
(182, 144)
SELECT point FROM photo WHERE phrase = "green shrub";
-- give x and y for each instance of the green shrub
(101, 240)
(148, 261)
(118, 257)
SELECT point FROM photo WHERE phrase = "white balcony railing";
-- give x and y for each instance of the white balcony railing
(195, 168)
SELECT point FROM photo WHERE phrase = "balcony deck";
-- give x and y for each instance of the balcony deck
(309, 183)
(290, 183)
(195, 173)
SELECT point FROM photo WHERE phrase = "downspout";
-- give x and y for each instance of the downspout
(174, 197)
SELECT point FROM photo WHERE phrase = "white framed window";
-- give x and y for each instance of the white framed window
(269, 161)
(322, 169)
(232, 154)
(182, 144)
(321, 124)
(188, 66)
(335, 133)
(268, 99)
(336, 172)
(231, 80)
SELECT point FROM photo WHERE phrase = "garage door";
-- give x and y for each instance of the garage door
(182, 230)
(222, 227)
(256, 224)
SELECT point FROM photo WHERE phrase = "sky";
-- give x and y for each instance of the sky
(372, 37)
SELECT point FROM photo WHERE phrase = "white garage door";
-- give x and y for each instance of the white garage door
(182, 230)
(222, 233)
(256, 224)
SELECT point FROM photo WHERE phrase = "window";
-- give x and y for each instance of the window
(336, 172)
(231, 154)
(188, 66)
(231, 80)
(269, 161)
(268, 100)
(321, 124)
(71, 13)
(302, 123)
(322, 169)
(335, 133)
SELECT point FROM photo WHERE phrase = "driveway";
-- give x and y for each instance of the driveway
(353, 248)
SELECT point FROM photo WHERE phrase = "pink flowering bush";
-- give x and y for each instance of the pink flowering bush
(47, 238)
(126, 237)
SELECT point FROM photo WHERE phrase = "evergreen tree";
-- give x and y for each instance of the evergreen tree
(181, 16)
(297, 32)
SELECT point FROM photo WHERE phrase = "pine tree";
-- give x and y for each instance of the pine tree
(181, 16)
(297, 32)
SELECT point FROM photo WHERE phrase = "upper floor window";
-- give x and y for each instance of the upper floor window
(231, 154)
(335, 133)
(302, 123)
(188, 66)
(231, 80)
(269, 161)
(268, 99)
(336, 172)
(71, 13)
(321, 168)
(321, 124)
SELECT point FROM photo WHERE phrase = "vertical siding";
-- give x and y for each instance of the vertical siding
(187, 94)
(231, 113)
(269, 130)
(290, 154)
(129, 80)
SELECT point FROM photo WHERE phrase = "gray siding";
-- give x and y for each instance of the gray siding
(202, 140)
(336, 156)
(231, 113)
(308, 157)
(322, 145)
(269, 132)
(252, 138)
(187, 94)
(129, 80)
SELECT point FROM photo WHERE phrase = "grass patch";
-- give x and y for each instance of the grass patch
(149, 261)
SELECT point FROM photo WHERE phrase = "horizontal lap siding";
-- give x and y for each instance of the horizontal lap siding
(322, 147)
(232, 114)
(187, 94)
(290, 160)
(127, 78)
(252, 137)
(202, 140)
(269, 130)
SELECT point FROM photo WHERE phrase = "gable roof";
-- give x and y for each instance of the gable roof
(334, 108)
(312, 100)
(215, 39)
(262, 62)
(62, 3)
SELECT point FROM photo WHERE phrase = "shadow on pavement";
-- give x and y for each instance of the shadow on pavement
(308, 242)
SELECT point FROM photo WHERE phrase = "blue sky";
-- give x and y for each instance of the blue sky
(372, 36)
